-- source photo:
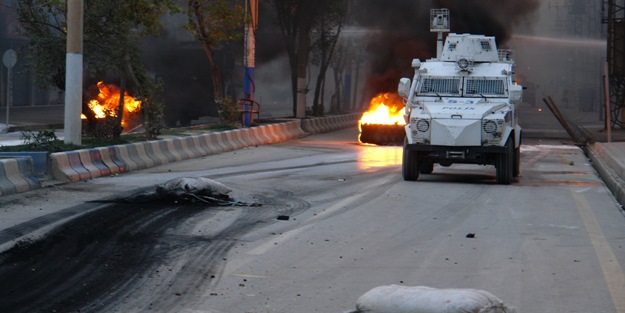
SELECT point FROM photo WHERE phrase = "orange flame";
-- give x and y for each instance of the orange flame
(107, 101)
(384, 109)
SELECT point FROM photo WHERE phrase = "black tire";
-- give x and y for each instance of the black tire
(410, 163)
(426, 167)
(517, 161)
(505, 164)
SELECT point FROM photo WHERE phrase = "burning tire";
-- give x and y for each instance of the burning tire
(383, 124)
(381, 134)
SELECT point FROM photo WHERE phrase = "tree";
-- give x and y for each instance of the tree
(286, 11)
(326, 33)
(215, 22)
(297, 19)
(112, 35)
(345, 56)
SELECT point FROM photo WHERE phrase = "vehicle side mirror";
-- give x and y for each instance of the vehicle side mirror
(404, 87)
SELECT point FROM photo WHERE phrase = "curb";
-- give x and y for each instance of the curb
(610, 172)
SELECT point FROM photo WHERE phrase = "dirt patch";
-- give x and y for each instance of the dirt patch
(149, 255)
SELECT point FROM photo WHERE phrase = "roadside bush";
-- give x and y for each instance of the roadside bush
(153, 110)
(108, 127)
(230, 113)
(43, 140)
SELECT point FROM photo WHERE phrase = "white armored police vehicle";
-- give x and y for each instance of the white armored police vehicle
(461, 108)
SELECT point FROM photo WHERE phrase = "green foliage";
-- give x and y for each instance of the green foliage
(41, 22)
(230, 113)
(215, 21)
(154, 109)
(104, 128)
(112, 30)
(43, 140)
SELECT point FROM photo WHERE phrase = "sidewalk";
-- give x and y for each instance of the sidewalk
(33, 118)
(29, 119)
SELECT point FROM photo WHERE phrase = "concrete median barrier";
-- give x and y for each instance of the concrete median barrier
(330, 123)
(210, 144)
(17, 175)
(73, 166)
(41, 164)
(109, 156)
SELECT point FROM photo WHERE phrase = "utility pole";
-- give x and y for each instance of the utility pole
(249, 60)
(73, 72)
(613, 16)
(302, 69)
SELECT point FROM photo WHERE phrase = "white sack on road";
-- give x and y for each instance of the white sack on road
(421, 299)
(199, 186)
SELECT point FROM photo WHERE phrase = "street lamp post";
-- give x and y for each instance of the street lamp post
(249, 59)
(73, 72)
(9, 58)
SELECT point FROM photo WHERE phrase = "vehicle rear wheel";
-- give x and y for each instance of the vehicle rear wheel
(517, 161)
(505, 164)
(410, 163)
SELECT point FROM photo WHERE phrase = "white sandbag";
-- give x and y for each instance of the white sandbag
(421, 299)
(200, 186)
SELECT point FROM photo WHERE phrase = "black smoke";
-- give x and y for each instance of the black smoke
(399, 31)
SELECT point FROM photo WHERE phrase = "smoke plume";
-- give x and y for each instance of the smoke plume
(399, 31)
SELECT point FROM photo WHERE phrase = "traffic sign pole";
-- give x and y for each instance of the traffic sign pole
(9, 58)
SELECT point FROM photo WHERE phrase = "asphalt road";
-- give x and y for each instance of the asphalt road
(335, 220)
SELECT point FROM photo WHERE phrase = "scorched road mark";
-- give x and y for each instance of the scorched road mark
(26, 229)
(95, 261)
(23, 229)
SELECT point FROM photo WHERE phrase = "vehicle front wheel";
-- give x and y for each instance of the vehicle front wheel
(517, 161)
(410, 163)
(504, 164)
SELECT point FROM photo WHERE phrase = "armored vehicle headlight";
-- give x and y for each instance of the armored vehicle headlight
(423, 125)
(490, 127)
